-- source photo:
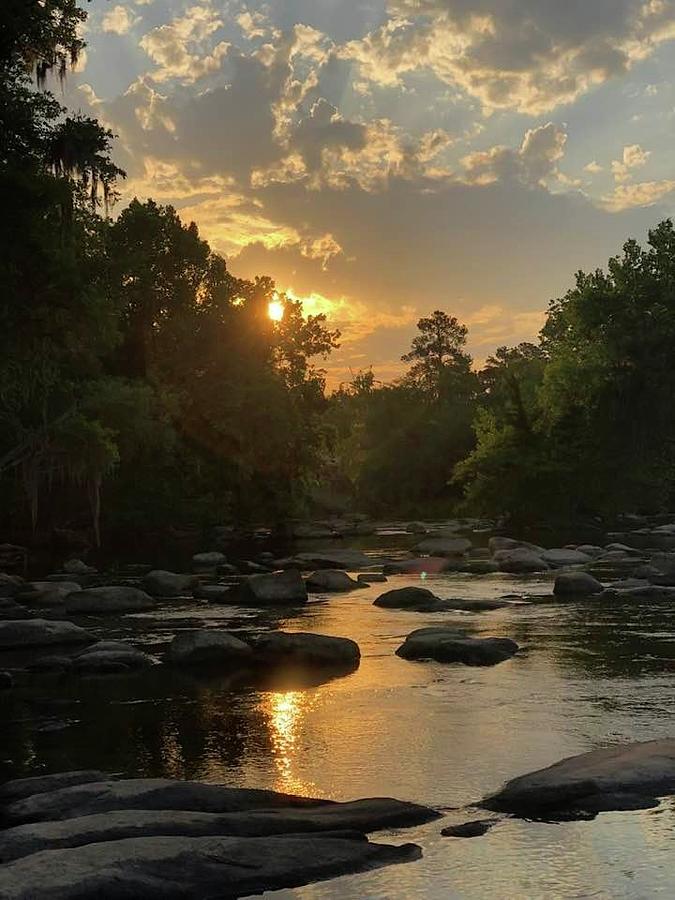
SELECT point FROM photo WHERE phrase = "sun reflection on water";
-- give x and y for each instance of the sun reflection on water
(286, 711)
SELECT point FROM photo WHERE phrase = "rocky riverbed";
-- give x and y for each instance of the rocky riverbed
(517, 655)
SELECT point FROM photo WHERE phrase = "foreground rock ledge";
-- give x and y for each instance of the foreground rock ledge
(628, 776)
(155, 838)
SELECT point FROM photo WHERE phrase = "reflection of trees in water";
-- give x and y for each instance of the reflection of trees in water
(617, 638)
(163, 724)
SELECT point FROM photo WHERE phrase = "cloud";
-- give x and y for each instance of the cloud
(593, 168)
(535, 162)
(634, 157)
(639, 194)
(167, 46)
(530, 56)
(119, 20)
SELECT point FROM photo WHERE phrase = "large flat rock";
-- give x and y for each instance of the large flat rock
(17, 634)
(359, 815)
(162, 868)
(627, 776)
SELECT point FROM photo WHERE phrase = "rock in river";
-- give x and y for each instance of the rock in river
(331, 581)
(576, 584)
(160, 583)
(520, 560)
(304, 649)
(167, 867)
(279, 588)
(212, 647)
(446, 645)
(627, 776)
(444, 546)
(72, 837)
(40, 633)
(109, 599)
(557, 558)
(414, 598)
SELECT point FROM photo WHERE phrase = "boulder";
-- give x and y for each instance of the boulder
(477, 828)
(16, 635)
(172, 867)
(371, 578)
(520, 560)
(206, 561)
(313, 532)
(110, 656)
(49, 593)
(110, 599)
(9, 585)
(431, 565)
(214, 593)
(51, 665)
(77, 567)
(479, 567)
(277, 589)
(638, 592)
(6, 680)
(160, 583)
(364, 815)
(21, 788)
(576, 584)
(330, 581)
(498, 542)
(590, 550)
(335, 559)
(190, 648)
(10, 610)
(408, 598)
(558, 557)
(416, 528)
(627, 776)
(280, 648)
(446, 645)
(444, 546)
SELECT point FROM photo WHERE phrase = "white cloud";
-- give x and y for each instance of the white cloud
(593, 168)
(119, 20)
(167, 46)
(639, 194)
(634, 157)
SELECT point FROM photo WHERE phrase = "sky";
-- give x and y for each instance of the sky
(384, 158)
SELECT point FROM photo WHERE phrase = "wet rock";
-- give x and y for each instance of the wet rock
(557, 558)
(416, 528)
(371, 578)
(431, 565)
(444, 546)
(313, 532)
(9, 585)
(49, 593)
(22, 788)
(282, 588)
(576, 584)
(627, 776)
(160, 583)
(205, 561)
(167, 867)
(6, 680)
(110, 599)
(40, 633)
(520, 561)
(638, 592)
(360, 816)
(477, 828)
(480, 567)
(214, 593)
(446, 645)
(498, 543)
(11, 611)
(51, 665)
(78, 567)
(335, 559)
(204, 647)
(100, 660)
(590, 550)
(408, 598)
(330, 580)
(281, 648)
(227, 569)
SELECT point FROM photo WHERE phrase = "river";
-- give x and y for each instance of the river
(589, 674)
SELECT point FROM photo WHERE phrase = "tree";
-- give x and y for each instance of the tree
(438, 348)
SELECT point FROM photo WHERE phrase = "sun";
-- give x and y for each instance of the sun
(275, 310)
